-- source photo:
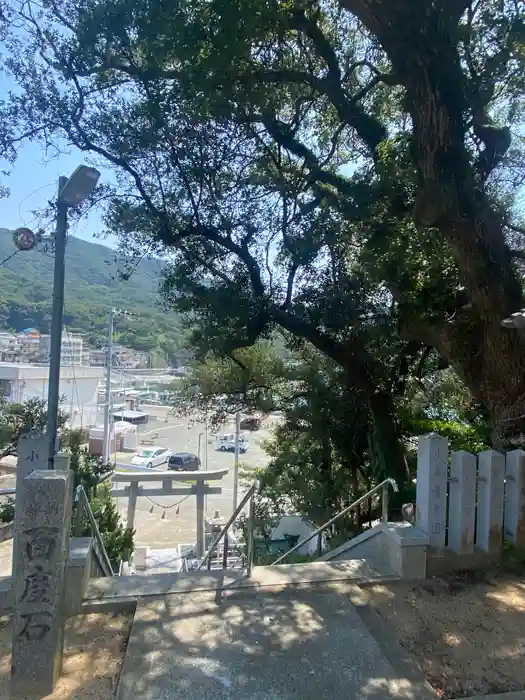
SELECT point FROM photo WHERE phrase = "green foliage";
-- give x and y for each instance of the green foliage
(118, 540)
(269, 506)
(461, 436)
(88, 471)
(320, 459)
(73, 436)
(249, 378)
(19, 419)
(310, 167)
(93, 286)
(442, 404)
(7, 510)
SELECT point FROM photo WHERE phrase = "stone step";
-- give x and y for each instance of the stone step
(133, 587)
(123, 593)
(295, 644)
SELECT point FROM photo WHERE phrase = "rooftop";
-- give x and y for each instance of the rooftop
(42, 370)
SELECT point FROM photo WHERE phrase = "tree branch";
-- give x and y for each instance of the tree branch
(322, 46)
(282, 135)
(516, 229)
(368, 128)
(346, 357)
(289, 285)
(114, 63)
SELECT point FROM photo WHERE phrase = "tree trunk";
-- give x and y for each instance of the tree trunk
(386, 444)
(491, 361)
(421, 41)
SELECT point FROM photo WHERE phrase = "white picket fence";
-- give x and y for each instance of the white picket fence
(469, 501)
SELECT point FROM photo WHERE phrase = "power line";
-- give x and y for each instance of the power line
(9, 258)
(38, 189)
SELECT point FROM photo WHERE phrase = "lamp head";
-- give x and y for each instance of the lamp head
(79, 186)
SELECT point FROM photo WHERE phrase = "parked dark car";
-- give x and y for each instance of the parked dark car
(251, 423)
(184, 462)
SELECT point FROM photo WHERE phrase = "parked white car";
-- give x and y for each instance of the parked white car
(151, 457)
(226, 443)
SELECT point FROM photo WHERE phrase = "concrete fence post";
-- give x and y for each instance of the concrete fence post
(491, 497)
(431, 495)
(514, 513)
(132, 504)
(462, 502)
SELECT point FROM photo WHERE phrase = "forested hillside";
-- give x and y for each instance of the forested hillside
(93, 285)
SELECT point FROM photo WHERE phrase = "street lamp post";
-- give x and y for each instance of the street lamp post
(72, 191)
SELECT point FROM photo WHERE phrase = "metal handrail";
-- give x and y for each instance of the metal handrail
(384, 514)
(83, 504)
(248, 496)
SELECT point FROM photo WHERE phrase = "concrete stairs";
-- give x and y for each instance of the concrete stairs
(289, 632)
(302, 638)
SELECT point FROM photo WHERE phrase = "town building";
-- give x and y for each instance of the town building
(78, 386)
(20, 347)
(71, 352)
(122, 357)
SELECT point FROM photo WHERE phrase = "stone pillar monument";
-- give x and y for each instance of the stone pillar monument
(40, 552)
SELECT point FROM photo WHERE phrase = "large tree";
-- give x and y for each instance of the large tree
(344, 169)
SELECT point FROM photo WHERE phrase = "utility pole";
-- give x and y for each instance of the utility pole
(236, 459)
(206, 451)
(113, 313)
(206, 439)
(55, 337)
(199, 446)
(107, 406)
(72, 191)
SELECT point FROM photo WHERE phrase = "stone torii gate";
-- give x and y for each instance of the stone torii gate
(168, 483)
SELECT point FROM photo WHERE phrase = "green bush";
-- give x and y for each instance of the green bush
(7, 510)
(88, 470)
(117, 539)
(73, 436)
(262, 558)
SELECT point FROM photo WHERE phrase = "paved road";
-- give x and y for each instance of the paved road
(179, 523)
(178, 526)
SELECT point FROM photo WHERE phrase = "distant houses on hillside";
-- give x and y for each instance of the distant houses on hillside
(31, 346)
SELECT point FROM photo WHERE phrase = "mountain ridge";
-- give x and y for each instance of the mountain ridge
(92, 286)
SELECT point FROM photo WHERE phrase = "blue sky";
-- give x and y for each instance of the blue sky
(33, 182)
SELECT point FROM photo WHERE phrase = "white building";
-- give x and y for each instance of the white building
(78, 386)
(71, 352)
(7, 338)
